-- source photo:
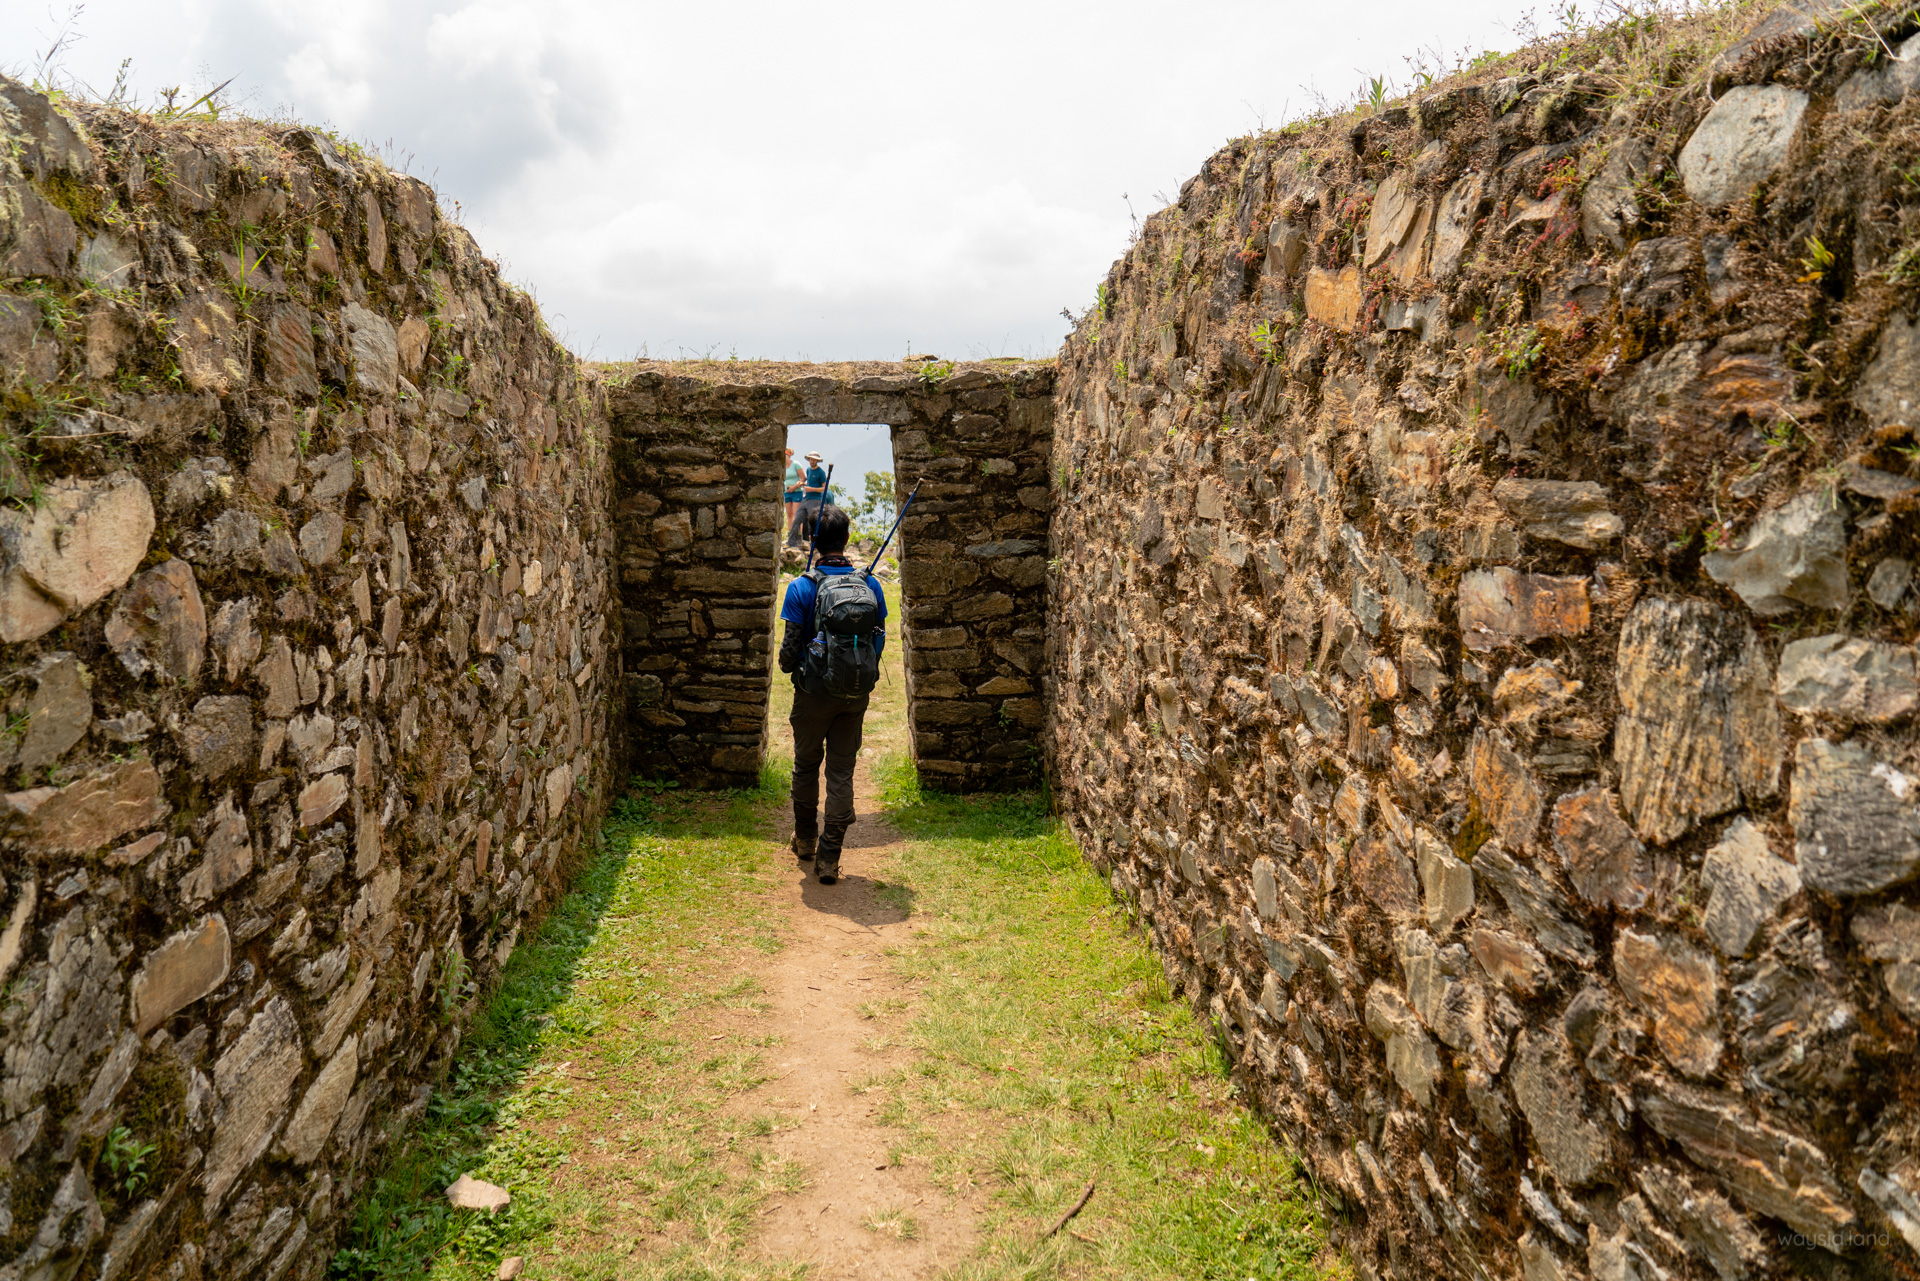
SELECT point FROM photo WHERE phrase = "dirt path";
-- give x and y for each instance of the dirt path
(861, 1215)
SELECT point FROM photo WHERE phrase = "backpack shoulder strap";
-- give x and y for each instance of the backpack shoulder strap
(815, 577)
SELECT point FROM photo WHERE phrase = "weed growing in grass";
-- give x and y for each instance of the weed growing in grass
(892, 1222)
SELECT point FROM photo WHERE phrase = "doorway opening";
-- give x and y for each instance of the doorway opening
(862, 484)
(860, 458)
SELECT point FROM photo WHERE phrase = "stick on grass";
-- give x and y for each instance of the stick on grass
(1086, 1195)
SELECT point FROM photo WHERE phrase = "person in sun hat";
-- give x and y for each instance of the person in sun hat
(813, 496)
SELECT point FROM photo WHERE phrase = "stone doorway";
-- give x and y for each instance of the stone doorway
(698, 525)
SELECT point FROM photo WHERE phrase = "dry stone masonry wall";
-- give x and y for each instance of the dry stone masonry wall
(1482, 636)
(1462, 583)
(699, 522)
(307, 647)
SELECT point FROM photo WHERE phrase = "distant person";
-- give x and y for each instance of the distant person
(795, 487)
(836, 627)
(813, 493)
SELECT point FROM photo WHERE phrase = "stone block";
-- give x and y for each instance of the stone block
(1546, 1085)
(1334, 298)
(1507, 793)
(979, 607)
(1446, 882)
(83, 539)
(321, 799)
(938, 637)
(287, 340)
(320, 1107)
(58, 712)
(160, 625)
(1855, 823)
(1562, 511)
(1502, 605)
(1850, 680)
(1028, 712)
(1384, 875)
(209, 343)
(1410, 1055)
(931, 711)
(1511, 961)
(1889, 933)
(375, 348)
(1677, 987)
(1606, 865)
(1698, 732)
(722, 581)
(1747, 884)
(218, 736)
(1741, 143)
(1794, 555)
(90, 813)
(252, 1081)
(1772, 1170)
(1534, 903)
(189, 965)
(320, 538)
(950, 660)
(1888, 391)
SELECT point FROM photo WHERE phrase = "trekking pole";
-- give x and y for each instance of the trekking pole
(896, 525)
(818, 514)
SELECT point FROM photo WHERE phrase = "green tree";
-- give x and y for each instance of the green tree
(871, 513)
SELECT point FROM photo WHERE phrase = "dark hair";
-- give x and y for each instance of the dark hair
(832, 534)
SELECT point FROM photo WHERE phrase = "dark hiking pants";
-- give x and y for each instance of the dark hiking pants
(824, 729)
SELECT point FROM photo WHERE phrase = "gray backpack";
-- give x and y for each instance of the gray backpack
(843, 659)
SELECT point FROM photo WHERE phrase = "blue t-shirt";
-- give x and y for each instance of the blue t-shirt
(798, 607)
(816, 478)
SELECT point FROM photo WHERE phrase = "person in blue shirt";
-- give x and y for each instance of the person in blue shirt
(825, 729)
(812, 489)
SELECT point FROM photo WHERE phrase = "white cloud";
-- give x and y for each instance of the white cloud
(778, 179)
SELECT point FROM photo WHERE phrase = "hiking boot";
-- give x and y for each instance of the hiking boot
(806, 829)
(826, 860)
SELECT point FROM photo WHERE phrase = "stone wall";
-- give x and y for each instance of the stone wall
(698, 518)
(307, 643)
(1482, 633)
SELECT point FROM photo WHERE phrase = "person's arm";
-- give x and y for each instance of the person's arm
(880, 633)
(793, 643)
(797, 614)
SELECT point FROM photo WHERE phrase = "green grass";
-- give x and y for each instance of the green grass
(588, 1086)
(1046, 1052)
(1051, 1053)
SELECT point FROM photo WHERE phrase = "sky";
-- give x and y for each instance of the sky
(848, 180)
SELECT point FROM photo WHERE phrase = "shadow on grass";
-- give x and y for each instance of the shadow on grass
(402, 1221)
(981, 819)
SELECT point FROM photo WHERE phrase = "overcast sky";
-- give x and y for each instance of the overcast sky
(781, 180)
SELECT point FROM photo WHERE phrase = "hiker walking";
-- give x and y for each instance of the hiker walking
(836, 622)
(794, 491)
